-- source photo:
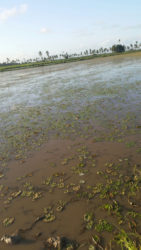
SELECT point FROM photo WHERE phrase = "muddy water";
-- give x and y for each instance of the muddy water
(70, 151)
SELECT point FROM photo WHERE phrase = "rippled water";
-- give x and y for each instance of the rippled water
(32, 97)
(85, 180)
(48, 85)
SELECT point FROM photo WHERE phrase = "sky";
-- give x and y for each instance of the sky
(30, 26)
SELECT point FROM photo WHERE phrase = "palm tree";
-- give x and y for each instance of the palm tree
(110, 49)
(136, 44)
(8, 60)
(90, 51)
(40, 54)
(105, 50)
(86, 52)
(47, 53)
(101, 50)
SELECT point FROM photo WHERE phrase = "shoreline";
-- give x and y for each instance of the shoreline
(62, 61)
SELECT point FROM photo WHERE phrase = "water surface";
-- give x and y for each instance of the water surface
(86, 176)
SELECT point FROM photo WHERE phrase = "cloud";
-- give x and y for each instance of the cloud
(44, 30)
(23, 8)
(7, 13)
(137, 26)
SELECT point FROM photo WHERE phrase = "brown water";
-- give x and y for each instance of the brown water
(71, 135)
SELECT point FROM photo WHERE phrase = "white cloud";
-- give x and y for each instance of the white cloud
(23, 8)
(7, 13)
(44, 30)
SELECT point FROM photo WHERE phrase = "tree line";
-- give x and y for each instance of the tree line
(118, 48)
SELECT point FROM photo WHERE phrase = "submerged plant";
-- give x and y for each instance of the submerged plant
(113, 208)
(60, 205)
(49, 215)
(88, 218)
(125, 242)
(8, 221)
(103, 225)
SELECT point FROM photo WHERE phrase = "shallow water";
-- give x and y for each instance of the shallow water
(37, 98)
(87, 117)
(48, 85)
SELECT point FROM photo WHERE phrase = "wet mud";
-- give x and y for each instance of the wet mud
(70, 155)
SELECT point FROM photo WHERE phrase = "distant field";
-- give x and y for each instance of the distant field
(47, 63)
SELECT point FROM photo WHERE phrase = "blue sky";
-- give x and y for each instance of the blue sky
(27, 26)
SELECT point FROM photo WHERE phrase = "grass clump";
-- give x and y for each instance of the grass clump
(88, 218)
(125, 242)
(103, 225)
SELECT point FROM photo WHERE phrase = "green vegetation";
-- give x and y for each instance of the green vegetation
(117, 49)
(103, 225)
(8, 221)
(125, 241)
(88, 218)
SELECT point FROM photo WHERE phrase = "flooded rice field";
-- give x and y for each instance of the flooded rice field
(70, 156)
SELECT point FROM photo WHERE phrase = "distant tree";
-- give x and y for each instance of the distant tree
(93, 51)
(118, 48)
(40, 54)
(8, 60)
(136, 45)
(101, 50)
(47, 53)
(86, 52)
(66, 56)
